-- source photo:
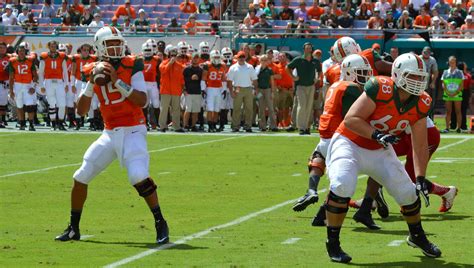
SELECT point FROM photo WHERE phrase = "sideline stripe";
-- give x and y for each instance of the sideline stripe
(202, 233)
(151, 151)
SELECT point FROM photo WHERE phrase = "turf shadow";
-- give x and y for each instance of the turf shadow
(144, 245)
(424, 262)
(430, 217)
(383, 231)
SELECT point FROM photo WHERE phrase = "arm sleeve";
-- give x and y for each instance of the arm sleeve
(41, 73)
(138, 82)
(371, 88)
(293, 63)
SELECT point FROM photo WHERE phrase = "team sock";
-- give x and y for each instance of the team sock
(416, 230)
(75, 218)
(438, 189)
(157, 213)
(313, 182)
(366, 205)
(333, 233)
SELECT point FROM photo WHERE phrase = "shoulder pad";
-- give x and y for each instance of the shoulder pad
(62, 55)
(128, 61)
(43, 55)
(385, 88)
(424, 103)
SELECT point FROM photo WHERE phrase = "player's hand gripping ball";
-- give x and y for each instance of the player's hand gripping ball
(100, 76)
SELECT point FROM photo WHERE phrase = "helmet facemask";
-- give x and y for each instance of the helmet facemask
(413, 82)
(118, 49)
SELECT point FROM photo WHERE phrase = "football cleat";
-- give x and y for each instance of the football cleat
(365, 219)
(31, 128)
(448, 199)
(335, 252)
(61, 126)
(309, 198)
(421, 242)
(320, 218)
(357, 203)
(382, 207)
(69, 234)
(162, 232)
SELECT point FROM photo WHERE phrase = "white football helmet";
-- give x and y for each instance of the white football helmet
(276, 55)
(27, 47)
(344, 47)
(102, 36)
(62, 48)
(356, 68)
(227, 54)
(191, 49)
(409, 73)
(216, 57)
(171, 50)
(183, 48)
(153, 44)
(204, 48)
(147, 50)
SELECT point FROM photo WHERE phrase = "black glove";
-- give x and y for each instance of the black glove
(224, 94)
(384, 139)
(422, 188)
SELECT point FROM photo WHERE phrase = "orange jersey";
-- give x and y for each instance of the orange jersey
(22, 69)
(389, 116)
(80, 62)
(286, 81)
(333, 73)
(151, 68)
(53, 66)
(340, 96)
(372, 56)
(117, 110)
(4, 62)
(215, 74)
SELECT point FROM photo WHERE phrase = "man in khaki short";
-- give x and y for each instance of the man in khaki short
(192, 92)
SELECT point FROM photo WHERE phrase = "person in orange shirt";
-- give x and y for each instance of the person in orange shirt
(422, 21)
(375, 22)
(192, 27)
(469, 25)
(54, 80)
(283, 96)
(124, 137)
(125, 10)
(70, 95)
(152, 64)
(171, 88)
(315, 11)
(22, 75)
(4, 78)
(78, 6)
(188, 7)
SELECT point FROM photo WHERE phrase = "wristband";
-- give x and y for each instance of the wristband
(88, 90)
(125, 89)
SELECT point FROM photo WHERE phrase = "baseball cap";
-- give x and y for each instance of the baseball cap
(97, 14)
(9, 6)
(318, 51)
(376, 9)
(469, 17)
(376, 46)
(435, 18)
(141, 11)
(240, 54)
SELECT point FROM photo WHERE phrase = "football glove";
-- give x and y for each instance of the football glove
(384, 139)
(422, 188)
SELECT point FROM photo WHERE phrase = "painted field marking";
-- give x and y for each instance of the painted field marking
(151, 151)
(164, 173)
(232, 173)
(395, 243)
(292, 240)
(452, 144)
(84, 237)
(296, 175)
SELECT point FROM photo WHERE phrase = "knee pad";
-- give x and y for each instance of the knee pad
(411, 210)
(30, 108)
(145, 187)
(339, 200)
(317, 161)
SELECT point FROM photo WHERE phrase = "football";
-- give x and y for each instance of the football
(100, 77)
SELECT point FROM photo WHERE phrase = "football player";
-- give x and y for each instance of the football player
(204, 50)
(124, 137)
(212, 84)
(22, 74)
(227, 101)
(70, 95)
(54, 80)
(355, 72)
(4, 88)
(363, 144)
(183, 53)
(152, 64)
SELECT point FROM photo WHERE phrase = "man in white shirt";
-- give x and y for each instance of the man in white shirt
(417, 4)
(241, 81)
(96, 24)
(8, 18)
(23, 15)
(383, 6)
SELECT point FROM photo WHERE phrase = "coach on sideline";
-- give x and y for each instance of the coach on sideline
(307, 68)
(241, 81)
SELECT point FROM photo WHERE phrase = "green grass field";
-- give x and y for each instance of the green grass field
(206, 181)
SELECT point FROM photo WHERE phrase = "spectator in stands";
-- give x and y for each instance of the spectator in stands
(114, 23)
(206, 7)
(335, 10)
(471, 10)
(363, 12)
(75, 15)
(452, 31)
(392, 56)
(452, 82)
(390, 22)
(192, 27)
(246, 27)
(86, 18)
(258, 9)
(442, 7)
(93, 7)
(412, 12)
(47, 11)
(141, 24)
(215, 29)
(30, 24)
(286, 12)
(431, 68)
(271, 11)
(252, 15)
(78, 6)
(405, 21)
(315, 11)
(301, 12)
(61, 10)
(126, 10)
(303, 28)
(66, 23)
(349, 6)
(328, 19)
(376, 21)
(23, 15)
(383, 6)
(8, 18)
(457, 14)
(127, 25)
(416, 5)
(345, 20)
(96, 24)
(188, 7)
(396, 10)
(422, 21)
(174, 26)
(469, 25)
(262, 27)
(436, 27)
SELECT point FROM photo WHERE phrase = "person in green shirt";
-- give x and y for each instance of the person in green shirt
(452, 82)
(307, 69)
(141, 24)
(266, 86)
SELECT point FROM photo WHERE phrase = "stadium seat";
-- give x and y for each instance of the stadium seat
(202, 16)
(150, 2)
(148, 9)
(314, 23)
(44, 21)
(171, 15)
(108, 14)
(166, 2)
(183, 15)
(177, 2)
(161, 8)
(280, 22)
(56, 20)
(104, 3)
(174, 9)
(120, 2)
(107, 21)
(360, 24)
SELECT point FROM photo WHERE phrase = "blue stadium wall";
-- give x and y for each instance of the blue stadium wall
(463, 49)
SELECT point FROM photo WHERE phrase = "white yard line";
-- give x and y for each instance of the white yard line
(84, 237)
(296, 175)
(292, 240)
(151, 151)
(202, 233)
(453, 144)
(395, 243)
